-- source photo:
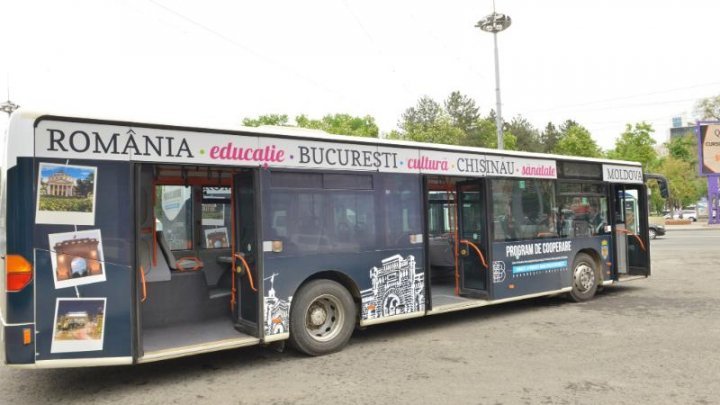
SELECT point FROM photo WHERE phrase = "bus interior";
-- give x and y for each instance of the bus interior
(188, 293)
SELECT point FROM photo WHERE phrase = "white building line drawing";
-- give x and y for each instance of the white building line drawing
(277, 311)
(396, 289)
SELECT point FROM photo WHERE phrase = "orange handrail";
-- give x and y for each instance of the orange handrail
(144, 287)
(625, 231)
(477, 250)
(247, 269)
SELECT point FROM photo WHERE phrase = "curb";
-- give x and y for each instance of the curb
(692, 228)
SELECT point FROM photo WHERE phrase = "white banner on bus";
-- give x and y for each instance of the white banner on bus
(71, 140)
(623, 174)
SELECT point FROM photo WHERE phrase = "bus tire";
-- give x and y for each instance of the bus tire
(322, 318)
(584, 278)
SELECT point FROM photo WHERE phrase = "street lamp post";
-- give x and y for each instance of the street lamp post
(495, 23)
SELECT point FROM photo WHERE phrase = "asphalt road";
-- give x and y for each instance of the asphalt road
(654, 341)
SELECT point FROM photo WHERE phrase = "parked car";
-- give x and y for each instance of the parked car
(685, 213)
(655, 230)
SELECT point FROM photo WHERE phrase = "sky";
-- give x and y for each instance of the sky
(213, 63)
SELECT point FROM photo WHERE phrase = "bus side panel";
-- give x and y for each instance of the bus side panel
(390, 282)
(87, 316)
(20, 214)
(386, 267)
(540, 265)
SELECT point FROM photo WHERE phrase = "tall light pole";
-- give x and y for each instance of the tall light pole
(495, 23)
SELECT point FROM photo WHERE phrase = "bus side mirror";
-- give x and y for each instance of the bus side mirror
(662, 183)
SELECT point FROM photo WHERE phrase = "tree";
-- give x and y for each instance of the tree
(636, 144)
(683, 148)
(341, 124)
(577, 141)
(684, 189)
(484, 134)
(526, 136)
(463, 112)
(549, 138)
(708, 108)
(271, 119)
(424, 115)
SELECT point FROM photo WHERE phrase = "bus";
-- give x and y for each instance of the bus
(127, 242)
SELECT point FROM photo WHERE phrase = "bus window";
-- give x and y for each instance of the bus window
(173, 210)
(215, 218)
(523, 209)
(582, 209)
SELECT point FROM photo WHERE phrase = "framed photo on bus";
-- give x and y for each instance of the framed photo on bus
(79, 325)
(77, 258)
(66, 194)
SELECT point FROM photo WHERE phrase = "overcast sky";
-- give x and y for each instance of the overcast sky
(212, 63)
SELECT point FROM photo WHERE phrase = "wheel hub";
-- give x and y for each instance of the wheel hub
(584, 277)
(318, 315)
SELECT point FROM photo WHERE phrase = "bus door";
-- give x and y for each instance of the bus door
(247, 265)
(631, 229)
(472, 238)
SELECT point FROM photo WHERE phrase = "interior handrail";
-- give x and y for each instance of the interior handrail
(477, 250)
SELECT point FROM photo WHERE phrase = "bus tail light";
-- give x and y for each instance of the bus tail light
(19, 273)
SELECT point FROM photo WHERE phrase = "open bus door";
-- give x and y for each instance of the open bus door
(248, 278)
(472, 239)
(631, 229)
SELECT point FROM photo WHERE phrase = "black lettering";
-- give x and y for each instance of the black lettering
(304, 155)
(83, 136)
(106, 148)
(367, 156)
(184, 147)
(131, 144)
(149, 144)
(355, 158)
(56, 141)
(327, 156)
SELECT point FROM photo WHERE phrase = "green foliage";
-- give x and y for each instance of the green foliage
(527, 138)
(686, 187)
(440, 131)
(456, 122)
(65, 204)
(272, 119)
(87, 185)
(549, 138)
(708, 108)
(341, 124)
(483, 134)
(683, 148)
(463, 112)
(636, 144)
(575, 140)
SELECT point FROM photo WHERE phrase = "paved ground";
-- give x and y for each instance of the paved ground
(654, 341)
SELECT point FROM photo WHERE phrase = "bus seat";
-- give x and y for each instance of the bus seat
(187, 263)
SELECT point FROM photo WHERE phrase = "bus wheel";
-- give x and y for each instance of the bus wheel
(584, 283)
(322, 318)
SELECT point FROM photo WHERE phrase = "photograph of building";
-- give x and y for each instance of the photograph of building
(77, 258)
(66, 194)
(79, 325)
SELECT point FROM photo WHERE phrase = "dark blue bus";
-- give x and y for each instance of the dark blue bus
(126, 242)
